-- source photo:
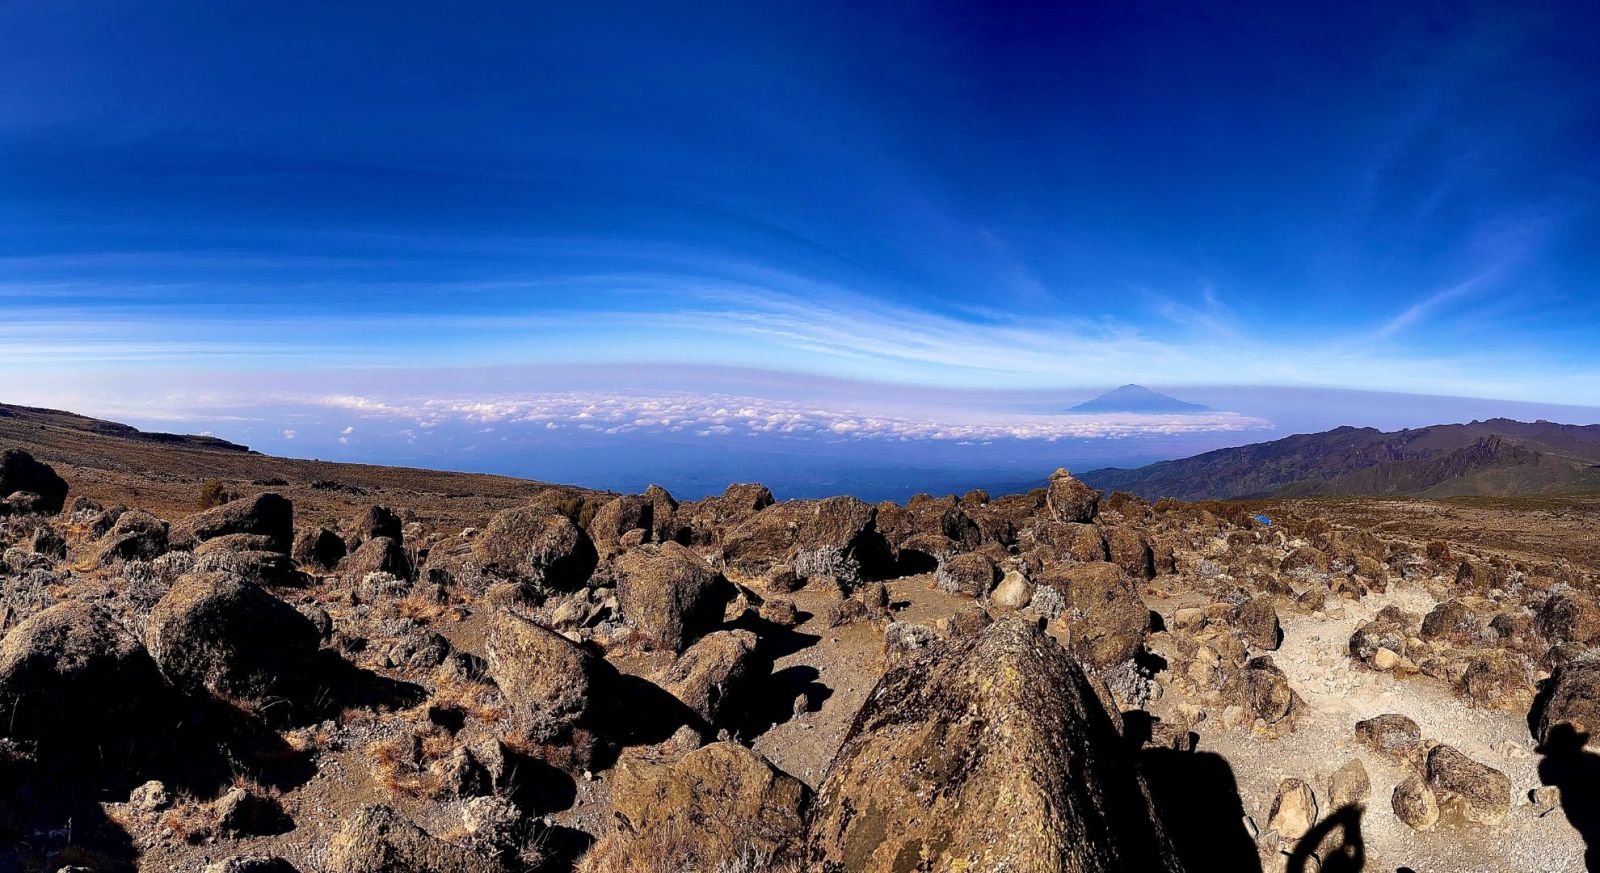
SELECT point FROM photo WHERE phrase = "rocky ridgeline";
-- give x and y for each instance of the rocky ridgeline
(205, 690)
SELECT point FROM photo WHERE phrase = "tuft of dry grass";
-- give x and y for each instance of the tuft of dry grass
(473, 698)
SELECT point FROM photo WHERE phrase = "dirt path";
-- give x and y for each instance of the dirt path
(1337, 695)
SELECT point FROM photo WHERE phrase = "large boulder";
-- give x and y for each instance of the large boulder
(377, 521)
(1467, 790)
(986, 752)
(267, 514)
(840, 540)
(376, 555)
(664, 523)
(1263, 690)
(716, 675)
(669, 594)
(319, 549)
(1071, 541)
(71, 674)
(765, 539)
(136, 536)
(1132, 552)
(19, 472)
(222, 634)
(616, 518)
(1574, 701)
(1070, 500)
(376, 839)
(1569, 618)
(971, 574)
(548, 680)
(1104, 618)
(536, 545)
(823, 538)
(710, 810)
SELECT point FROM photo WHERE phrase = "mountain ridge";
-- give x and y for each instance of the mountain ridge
(1494, 457)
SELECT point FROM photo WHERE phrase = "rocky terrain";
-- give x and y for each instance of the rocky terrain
(217, 661)
(1494, 458)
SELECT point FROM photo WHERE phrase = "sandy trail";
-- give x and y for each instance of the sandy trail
(1338, 694)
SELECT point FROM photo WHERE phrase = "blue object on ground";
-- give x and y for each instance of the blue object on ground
(1263, 519)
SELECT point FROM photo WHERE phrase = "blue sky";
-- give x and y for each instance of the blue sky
(956, 195)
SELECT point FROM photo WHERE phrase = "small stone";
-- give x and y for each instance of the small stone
(152, 796)
(1545, 797)
(1349, 784)
(1415, 804)
(1294, 810)
(1013, 593)
(1390, 734)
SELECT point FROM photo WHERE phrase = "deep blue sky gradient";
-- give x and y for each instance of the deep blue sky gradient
(1051, 197)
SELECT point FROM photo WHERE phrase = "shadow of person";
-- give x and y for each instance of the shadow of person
(1197, 798)
(1348, 856)
(1576, 772)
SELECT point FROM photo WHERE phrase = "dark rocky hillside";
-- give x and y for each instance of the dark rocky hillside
(342, 669)
(1498, 457)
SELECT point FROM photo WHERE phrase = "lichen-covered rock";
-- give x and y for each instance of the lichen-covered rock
(549, 681)
(1454, 622)
(903, 640)
(319, 549)
(1466, 789)
(136, 536)
(377, 521)
(1499, 680)
(969, 573)
(1303, 561)
(1414, 803)
(222, 634)
(1104, 618)
(536, 545)
(714, 808)
(20, 473)
(1070, 500)
(616, 518)
(376, 839)
(1071, 541)
(267, 514)
(956, 761)
(1257, 619)
(1390, 734)
(766, 539)
(72, 677)
(1569, 618)
(1264, 692)
(1574, 701)
(1129, 550)
(1392, 630)
(377, 555)
(1349, 784)
(715, 676)
(669, 594)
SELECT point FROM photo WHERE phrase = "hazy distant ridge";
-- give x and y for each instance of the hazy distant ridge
(1495, 457)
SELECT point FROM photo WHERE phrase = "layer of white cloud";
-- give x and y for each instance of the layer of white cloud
(710, 415)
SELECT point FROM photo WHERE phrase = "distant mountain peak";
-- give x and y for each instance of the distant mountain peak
(1137, 398)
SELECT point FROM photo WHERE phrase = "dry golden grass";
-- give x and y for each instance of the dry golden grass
(473, 698)
(403, 764)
